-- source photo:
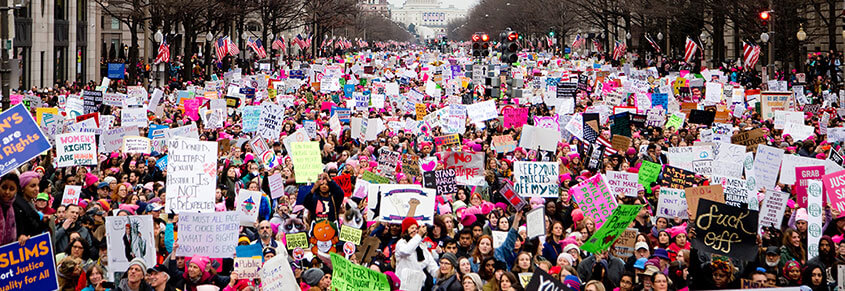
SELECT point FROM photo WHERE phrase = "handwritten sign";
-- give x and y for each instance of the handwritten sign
(307, 162)
(76, 149)
(270, 121)
(504, 143)
(536, 179)
(347, 276)
(31, 266)
(648, 174)
(447, 140)
(136, 145)
(771, 212)
(469, 167)
(696, 194)
(594, 198)
(515, 117)
(276, 274)
(677, 178)
(350, 234)
(672, 203)
(622, 183)
(191, 175)
(208, 234)
(614, 226)
(726, 230)
(71, 195)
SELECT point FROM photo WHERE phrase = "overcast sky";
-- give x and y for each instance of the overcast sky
(464, 4)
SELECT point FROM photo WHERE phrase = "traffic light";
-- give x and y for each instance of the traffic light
(509, 47)
(480, 44)
(551, 33)
(764, 18)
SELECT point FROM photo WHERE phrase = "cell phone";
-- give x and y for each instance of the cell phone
(107, 285)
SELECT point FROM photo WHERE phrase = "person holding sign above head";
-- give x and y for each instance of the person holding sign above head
(414, 264)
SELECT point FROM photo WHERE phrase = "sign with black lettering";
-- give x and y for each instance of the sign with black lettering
(726, 230)
(92, 101)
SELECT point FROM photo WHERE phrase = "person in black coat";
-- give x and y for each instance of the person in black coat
(28, 221)
(324, 199)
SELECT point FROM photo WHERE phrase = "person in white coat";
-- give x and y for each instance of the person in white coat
(411, 259)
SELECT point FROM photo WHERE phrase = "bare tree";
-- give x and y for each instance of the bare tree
(132, 13)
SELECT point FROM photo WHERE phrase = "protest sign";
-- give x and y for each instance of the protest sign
(345, 183)
(307, 162)
(248, 261)
(350, 234)
(130, 237)
(677, 178)
(766, 166)
(672, 203)
(622, 183)
(790, 162)
(615, 225)
(696, 194)
(737, 191)
(136, 145)
(208, 234)
(270, 121)
(71, 195)
(347, 276)
(76, 149)
(246, 205)
(535, 222)
(373, 178)
(594, 198)
(539, 138)
(536, 179)
(802, 175)
(400, 201)
(23, 139)
(834, 184)
(750, 138)
(92, 101)
(504, 143)
(387, 162)
(624, 245)
(297, 240)
(515, 117)
(447, 140)
(134, 116)
(648, 174)
(814, 217)
(191, 175)
(30, 266)
(771, 212)
(541, 280)
(444, 181)
(411, 165)
(276, 274)
(250, 117)
(482, 111)
(277, 185)
(112, 139)
(469, 167)
(726, 230)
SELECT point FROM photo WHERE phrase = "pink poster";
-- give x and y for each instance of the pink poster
(515, 117)
(594, 198)
(802, 175)
(192, 109)
(835, 185)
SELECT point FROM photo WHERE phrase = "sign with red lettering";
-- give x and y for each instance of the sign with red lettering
(469, 167)
(76, 149)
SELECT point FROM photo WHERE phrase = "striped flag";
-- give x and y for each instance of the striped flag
(689, 50)
(579, 41)
(221, 47)
(233, 48)
(751, 53)
(279, 43)
(597, 45)
(308, 41)
(608, 146)
(549, 41)
(163, 53)
(652, 43)
(299, 41)
(619, 50)
(258, 48)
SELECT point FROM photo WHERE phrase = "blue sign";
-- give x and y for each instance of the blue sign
(567, 50)
(161, 164)
(22, 139)
(116, 70)
(156, 130)
(342, 113)
(248, 251)
(29, 267)
(296, 74)
(249, 93)
(661, 99)
(348, 89)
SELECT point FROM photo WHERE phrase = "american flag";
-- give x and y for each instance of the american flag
(549, 41)
(258, 48)
(327, 42)
(751, 53)
(163, 53)
(652, 42)
(597, 45)
(279, 43)
(608, 147)
(619, 50)
(579, 41)
(690, 49)
(308, 40)
(221, 47)
(299, 41)
(233, 47)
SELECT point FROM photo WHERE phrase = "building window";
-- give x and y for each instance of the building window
(115, 24)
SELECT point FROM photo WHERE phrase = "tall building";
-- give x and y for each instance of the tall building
(429, 17)
(375, 6)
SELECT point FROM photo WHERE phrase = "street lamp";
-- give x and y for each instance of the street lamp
(209, 36)
(158, 36)
(660, 36)
(703, 35)
(764, 37)
(628, 35)
(801, 35)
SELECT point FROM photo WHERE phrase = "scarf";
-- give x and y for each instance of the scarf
(8, 228)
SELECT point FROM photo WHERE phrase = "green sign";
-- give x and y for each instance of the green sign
(675, 122)
(347, 276)
(307, 162)
(374, 178)
(611, 228)
(648, 173)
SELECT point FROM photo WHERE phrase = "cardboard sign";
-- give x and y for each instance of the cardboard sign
(25, 140)
(726, 230)
(208, 234)
(624, 245)
(594, 198)
(71, 195)
(31, 266)
(623, 183)
(469, 167)
(614, 226)
(750, 138)
(191, 176)
(411, 165)
(536, 179)
(76, 149)
(696, 194)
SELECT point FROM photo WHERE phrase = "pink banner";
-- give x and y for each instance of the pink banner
(594, 198)
(802, 175)
(835, 185)
(515, 117)
(192, 109)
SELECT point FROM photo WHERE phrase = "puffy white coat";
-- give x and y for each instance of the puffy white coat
(408, 269)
